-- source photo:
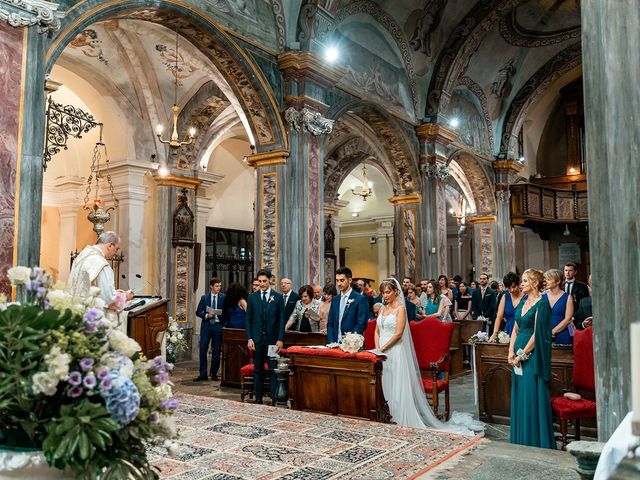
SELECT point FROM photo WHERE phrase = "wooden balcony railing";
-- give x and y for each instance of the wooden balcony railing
(548, 205)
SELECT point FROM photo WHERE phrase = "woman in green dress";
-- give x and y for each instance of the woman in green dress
(530, 355)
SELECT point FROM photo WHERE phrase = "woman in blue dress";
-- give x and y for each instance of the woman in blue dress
(235, 306)
(561, 308)
(530, 355)
(507, 305)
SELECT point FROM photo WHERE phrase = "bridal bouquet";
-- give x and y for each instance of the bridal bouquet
(503, 337)
(479, 337)
(76, 388)
(351, 342)
(176, 342)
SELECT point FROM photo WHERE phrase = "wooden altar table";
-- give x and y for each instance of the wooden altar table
(146, 323)
(331, 381)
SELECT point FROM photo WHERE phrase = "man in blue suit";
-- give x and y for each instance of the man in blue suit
(349, 312)
(264, 326)
(210, 330)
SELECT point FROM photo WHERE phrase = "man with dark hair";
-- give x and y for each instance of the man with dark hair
(210, 311)
(264, 327)
(255, 285)
(573, 287)
(349, 310)
(406, 281)
(483, 303)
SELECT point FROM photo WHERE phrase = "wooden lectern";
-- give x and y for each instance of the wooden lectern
(147, 324)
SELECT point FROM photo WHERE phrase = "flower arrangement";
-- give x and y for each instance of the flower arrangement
(503, 337)
(351, 342)
(77, 388)
(176, 342)
(479, 337)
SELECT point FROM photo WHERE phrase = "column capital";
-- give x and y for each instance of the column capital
(299, 66)
(507, 165)
(308, 120)
(268, 159)
(506, 170)
(175, 180)
(26, 13)
(64, 191)
(406, 199)
(436, 132)
(481, 219)
(334, 208)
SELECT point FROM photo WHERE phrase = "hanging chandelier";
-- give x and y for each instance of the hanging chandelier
(366, 190)
(174, 142)
(98, 215)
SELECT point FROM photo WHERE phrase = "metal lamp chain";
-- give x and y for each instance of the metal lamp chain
(96, 156)
(106, 161)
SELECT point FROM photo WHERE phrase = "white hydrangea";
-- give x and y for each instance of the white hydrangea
(503, 337)
(58, 363)
(164, 390)
(44, 382)
(120, 342)
(19, 275)
(167, 425)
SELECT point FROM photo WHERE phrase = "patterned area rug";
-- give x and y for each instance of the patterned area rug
(229, 440)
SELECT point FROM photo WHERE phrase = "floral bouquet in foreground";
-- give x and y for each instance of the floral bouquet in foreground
(503, 337)
(77, 388)
(176, 342)
(351, 342)
(479, 337)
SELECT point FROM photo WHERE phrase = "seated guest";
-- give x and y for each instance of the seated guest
(463, 299)
(235, 306)
(437, 305)
(413, 297)
(329, 291)
(507, 305)
(305, 312)
(583, 317)
(561, 303)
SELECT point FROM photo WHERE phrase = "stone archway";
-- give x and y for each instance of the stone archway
(477, 182)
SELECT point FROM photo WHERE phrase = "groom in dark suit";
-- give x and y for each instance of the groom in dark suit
(264, 326)
(210, 330)
(349, 310)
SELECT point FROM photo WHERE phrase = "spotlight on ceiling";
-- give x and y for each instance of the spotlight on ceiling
(355, 214)
(454, 122)
(331, 54)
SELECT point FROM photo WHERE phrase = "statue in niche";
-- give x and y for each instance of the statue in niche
(183, 220)
(503, 79)
(426, 25)
(329, 237)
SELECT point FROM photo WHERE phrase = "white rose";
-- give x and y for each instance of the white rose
(45, 383)
(120, 342)
(173, 339)
(19, 275)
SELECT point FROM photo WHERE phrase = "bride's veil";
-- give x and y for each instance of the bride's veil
(460, 423)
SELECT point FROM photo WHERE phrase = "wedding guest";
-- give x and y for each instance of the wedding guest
(255, 285)
(329, 291)
(305, 317)
(376, 309)
(289, 296)
(530, 355)
(235, 306)
(412, 297)
(437, 305)
(406, 281)
(423, 292)
(443, 286)
(264, 326)
(483, 302)
(473, 286)
(349, 311)
(507, 305)
(583, 317)
(463, 300)
(317, 292)
(561, 308)
(573, 287)
(210, 329)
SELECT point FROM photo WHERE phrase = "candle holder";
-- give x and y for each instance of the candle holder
(282, 389)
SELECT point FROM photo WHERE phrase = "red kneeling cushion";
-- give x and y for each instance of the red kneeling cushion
(247, 370)
(427, 383)
(566, 409)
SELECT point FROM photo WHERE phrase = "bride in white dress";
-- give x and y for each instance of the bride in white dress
(401, 381)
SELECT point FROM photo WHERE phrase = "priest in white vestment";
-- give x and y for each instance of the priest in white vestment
(91, 268)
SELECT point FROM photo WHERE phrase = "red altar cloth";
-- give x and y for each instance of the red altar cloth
(332, 352)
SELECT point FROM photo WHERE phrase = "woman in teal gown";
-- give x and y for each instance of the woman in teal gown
(530, 351)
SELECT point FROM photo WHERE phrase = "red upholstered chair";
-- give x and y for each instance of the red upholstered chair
(583, 380)
(369, 335)
(246, 379)
(432, 342)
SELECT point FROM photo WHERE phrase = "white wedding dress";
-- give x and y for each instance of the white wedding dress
(403, 388)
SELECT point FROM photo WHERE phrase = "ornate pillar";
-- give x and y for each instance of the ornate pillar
(506, 171)
(406, 223)
(483, 245)
(611, 68)
(384, 238)
(306, 80)
(434, 141)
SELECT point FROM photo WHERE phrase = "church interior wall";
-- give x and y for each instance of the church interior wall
(49, 247)
(361, 256)
(551, 159)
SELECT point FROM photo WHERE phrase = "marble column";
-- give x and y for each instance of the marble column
(384, 239)
(406, 227)
(483, 245)
(611, 68)
(307, 79)
(506, 172)
(432, 239)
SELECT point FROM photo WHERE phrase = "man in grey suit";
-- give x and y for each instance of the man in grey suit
(264, 326)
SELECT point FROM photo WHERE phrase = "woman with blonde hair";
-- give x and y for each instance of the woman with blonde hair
(561, 308)
(530, 355)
